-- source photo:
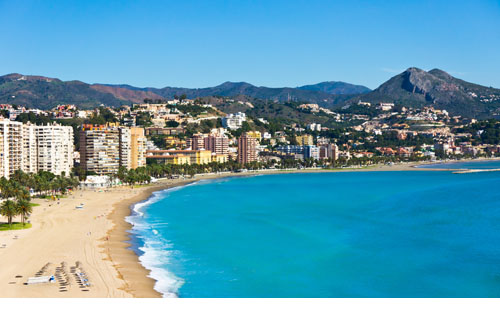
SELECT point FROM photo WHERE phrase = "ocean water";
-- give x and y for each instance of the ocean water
(481, 164)
(361, 234)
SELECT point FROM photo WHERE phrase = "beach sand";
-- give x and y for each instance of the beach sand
(95, 237)
(62, 233)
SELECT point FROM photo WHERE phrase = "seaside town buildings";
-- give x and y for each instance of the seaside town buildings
(301, 152)
(185, 157)
(105, 148)
(214, 142)
(100, 149)
(32, 148)
(217, 144)
(137, 148)
(234, 121)
(305, 140)
(54, 147)
(370, 134)
(200, 149)
(247, 149)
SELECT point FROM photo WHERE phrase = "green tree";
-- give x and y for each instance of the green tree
(8, 189)
(171, 124)
(24, 209)
(9, 209)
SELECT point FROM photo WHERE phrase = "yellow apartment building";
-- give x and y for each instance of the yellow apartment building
(305, 140)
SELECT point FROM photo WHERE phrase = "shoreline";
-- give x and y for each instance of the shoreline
(62, 233)
(136, 277)
(122, 233)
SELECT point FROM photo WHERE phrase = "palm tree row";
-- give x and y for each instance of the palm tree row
(41, 183)
(17, 195)
(144, 174)
(153, 169)
(10, 209)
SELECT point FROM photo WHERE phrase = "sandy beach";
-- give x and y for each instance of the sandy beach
(62, 234)
(88, 245)
(68, 241)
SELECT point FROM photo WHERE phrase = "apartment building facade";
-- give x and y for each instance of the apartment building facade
(190, 157)
(125, 147)
(305, 140)
(247, 149)
(105, 148)
(54, 144)
(137, 147)
(100, 149)
(198, 141)
(32, 148)
(217, 144)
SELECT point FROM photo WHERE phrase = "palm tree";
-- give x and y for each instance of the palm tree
(9, 209)
(22, 194)
(8, 190)
(20, 177)
(24, 208)
(61, 184)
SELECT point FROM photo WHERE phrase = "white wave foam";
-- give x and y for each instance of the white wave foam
(155, 258)
(156, 252)
(137, 209)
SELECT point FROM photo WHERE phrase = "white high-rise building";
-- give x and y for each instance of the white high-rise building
(100, 149)
(125, 145)
(29, 153)
(54, 146)
(31, 148)
(12, 147)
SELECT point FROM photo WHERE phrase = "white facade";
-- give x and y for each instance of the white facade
(125, 148)
(12, 147)
(333, 151)
(314, 127)
(31, 148)
(311, 151)
(54, 145)
(234, 121)
(29, 153)
(385, 106)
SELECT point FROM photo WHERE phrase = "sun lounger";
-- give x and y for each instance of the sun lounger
(38, 280)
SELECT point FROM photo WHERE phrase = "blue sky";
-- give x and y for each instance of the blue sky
(270, 43)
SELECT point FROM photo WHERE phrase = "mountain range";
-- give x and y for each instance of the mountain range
(416, 87)
(327, 92)
(43, 92)
(413, 88)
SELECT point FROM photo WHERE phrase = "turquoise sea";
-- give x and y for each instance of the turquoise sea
(360, 234)
(480, 164)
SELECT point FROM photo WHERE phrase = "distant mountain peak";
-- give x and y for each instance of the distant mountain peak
(43, 92)
(416, 87)
(441, 74)
(21, 77)
(414, 69)
(413, 88)
(336, 87)
(235, 84)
